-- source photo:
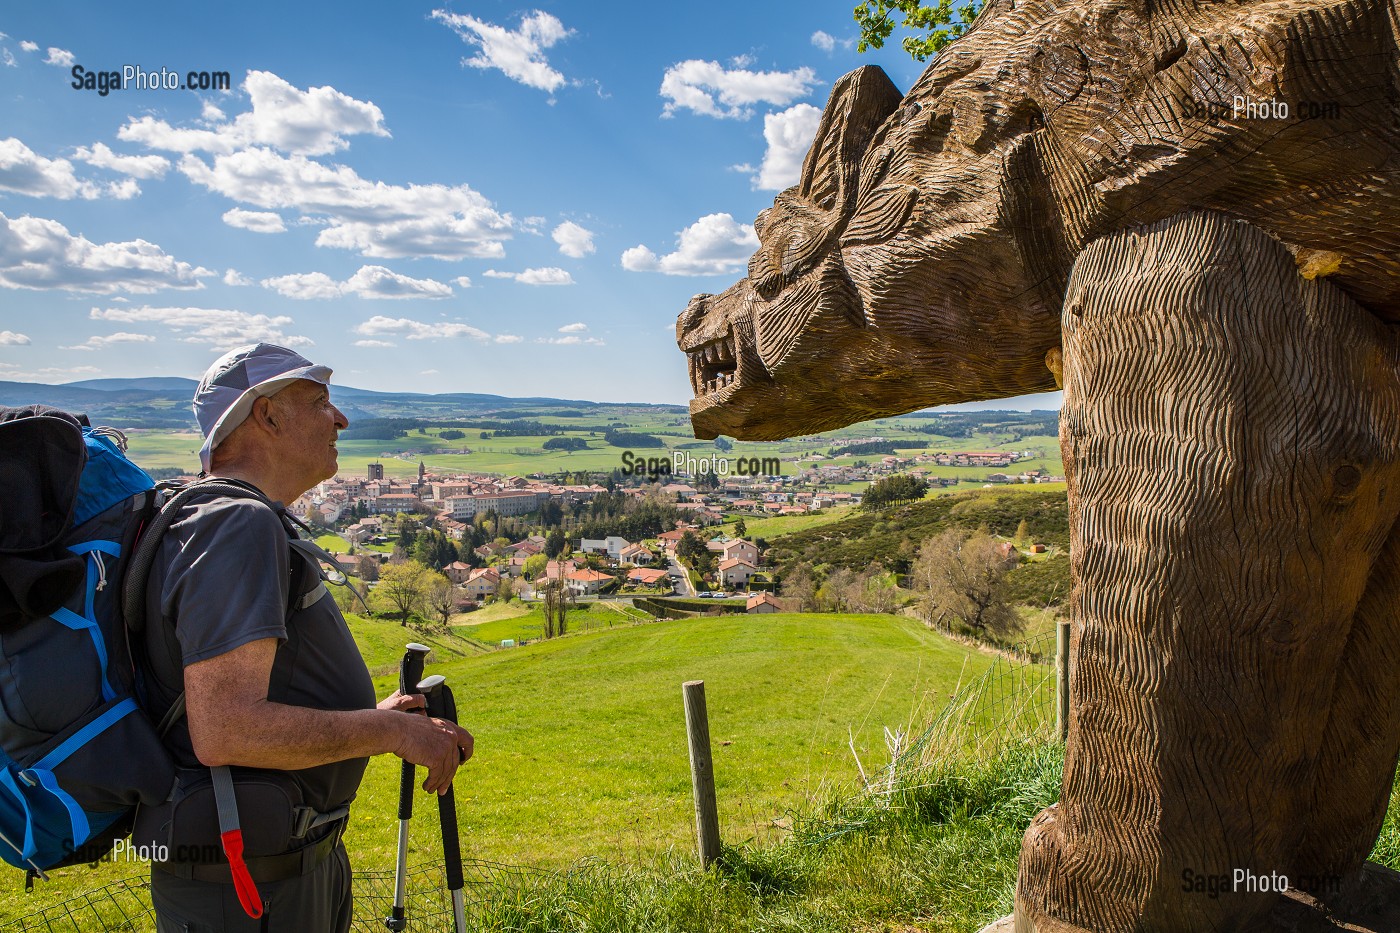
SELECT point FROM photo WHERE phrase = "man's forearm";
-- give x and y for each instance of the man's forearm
(274, 735)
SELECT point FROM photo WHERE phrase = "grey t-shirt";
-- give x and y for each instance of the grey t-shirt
(221, 580)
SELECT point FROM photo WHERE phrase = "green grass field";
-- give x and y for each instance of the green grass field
(524, 455)
(581, 741)
(581, 747)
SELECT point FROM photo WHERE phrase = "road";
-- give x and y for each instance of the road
(681, 577)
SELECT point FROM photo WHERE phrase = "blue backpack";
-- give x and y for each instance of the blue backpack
(77, 752)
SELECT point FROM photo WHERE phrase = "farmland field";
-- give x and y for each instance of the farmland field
(523, 455)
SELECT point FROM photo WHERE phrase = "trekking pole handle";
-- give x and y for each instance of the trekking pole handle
(411, 667)
(410, 672)
(442, 705)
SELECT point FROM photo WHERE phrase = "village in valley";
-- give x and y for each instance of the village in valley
(515, 537)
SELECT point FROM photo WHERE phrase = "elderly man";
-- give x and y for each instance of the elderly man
(273, 682)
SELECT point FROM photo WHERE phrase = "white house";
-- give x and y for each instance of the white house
(735, 572)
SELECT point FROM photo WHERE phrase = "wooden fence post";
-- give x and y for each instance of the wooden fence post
(702, 774)
(1062, 681)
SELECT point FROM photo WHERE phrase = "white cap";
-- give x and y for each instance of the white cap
(240, 377)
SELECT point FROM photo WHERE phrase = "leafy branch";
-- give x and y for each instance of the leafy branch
(945, 21)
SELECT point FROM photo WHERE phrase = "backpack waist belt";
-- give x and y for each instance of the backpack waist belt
(266, 869)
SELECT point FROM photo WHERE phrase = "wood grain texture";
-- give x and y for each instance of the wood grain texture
(1071, 192)
(923, 256)
(1231, 435)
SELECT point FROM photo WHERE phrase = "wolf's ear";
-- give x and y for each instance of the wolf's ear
(859, 103)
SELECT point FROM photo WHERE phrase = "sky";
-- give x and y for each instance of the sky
(427, 196)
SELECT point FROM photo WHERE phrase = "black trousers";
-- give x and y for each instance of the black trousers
(317, 902)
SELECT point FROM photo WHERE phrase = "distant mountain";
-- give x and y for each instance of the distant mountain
(164, 402)
(147, 383)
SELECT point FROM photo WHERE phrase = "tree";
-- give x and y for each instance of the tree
(800, 585)
(874, 590)
(554, 544)
(893, 490)
(962, 578)
(558, 599)
(740, 529)
(404, 586)
(876, 23)
(441, 597)
(835, 593)
(690, 546)
(1023, 534)
(535, 565)
(723, 443)
(350, 597)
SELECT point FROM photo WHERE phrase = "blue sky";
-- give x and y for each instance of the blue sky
(479, 197)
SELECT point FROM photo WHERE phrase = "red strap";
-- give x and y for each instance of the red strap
(242, 881)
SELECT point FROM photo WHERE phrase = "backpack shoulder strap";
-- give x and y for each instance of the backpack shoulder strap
(135, 583)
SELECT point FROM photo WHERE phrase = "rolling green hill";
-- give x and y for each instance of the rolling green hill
(581, 746)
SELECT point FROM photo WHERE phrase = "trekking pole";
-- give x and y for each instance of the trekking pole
(410, 672)
(442, 705)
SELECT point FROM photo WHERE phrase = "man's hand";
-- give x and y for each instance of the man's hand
(403, 702)
(436, 744)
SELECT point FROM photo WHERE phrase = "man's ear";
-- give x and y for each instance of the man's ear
(264, 412)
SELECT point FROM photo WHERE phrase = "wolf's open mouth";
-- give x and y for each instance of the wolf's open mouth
(713, 366)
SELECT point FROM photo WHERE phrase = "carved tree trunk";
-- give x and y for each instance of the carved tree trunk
(1231, 437)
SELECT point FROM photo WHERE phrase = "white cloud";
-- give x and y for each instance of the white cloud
(9, 338)
(11, 371)
(236, 278)
(98, 343)
(256, 221)
(213, 327)
(427, 372)
(8, 58)
(574, 328)
(550, 275)
(572, 341)
(462, 281)
(707, 88)
(311, 122)
(508, 338)
(210, 113)
(41, 254)
(368, 282)
(24, 171)
(519, 54)
(573, 240)
(60, 57)
(374, 343)
(379, 220)
(99, 155)
(380, 326)
(379, 282)
(713, 245)
(305, 286)
(29, 46)
(823, 41)
(789, 134)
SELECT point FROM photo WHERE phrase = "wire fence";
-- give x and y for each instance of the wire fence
(124, 906)
(1012, 701)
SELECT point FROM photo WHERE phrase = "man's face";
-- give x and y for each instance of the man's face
(311, 426)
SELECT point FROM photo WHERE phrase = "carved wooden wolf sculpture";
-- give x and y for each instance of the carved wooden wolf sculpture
(1114, 193)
